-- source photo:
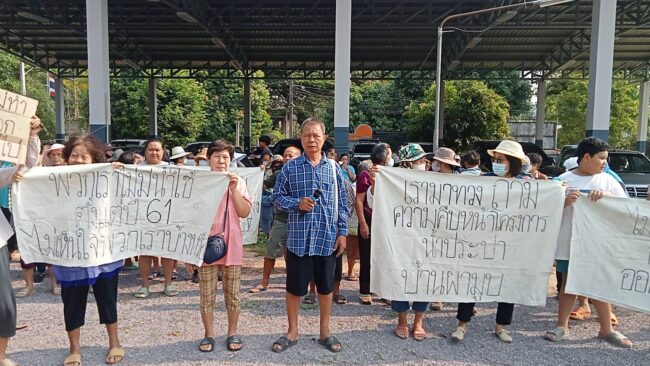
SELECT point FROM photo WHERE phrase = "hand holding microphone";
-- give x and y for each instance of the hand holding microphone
(308, 203)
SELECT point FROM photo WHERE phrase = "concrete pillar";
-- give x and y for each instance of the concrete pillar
(342, 75)
(98, 69)
(153, 108)
(642, 130)
(59, 110)
(247, 115)
(601, 59)
(541, 113)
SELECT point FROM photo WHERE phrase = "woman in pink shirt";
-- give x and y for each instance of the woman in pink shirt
(238, 204)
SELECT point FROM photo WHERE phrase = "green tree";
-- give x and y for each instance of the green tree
(472, 112)
(516, 91)
(129, 108)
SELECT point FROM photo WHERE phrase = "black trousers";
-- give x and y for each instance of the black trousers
(75, 300)
(12, 243)
(504, 312)
(364, 261)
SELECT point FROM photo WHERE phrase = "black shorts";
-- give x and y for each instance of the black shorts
(301, 270)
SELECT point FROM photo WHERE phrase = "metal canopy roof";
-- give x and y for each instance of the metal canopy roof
(295, 38)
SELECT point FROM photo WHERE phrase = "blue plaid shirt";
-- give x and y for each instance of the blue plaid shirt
(315, 232)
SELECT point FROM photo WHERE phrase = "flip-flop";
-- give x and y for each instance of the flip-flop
(366, 299)
(258, 289)
(283, 344)
(72, 359)
(142, 293)
(331, 344)
(115, 352)
(555, 335)
(402, 331)
(309, 299)
(352, 278)
(233, 340)
(340, 299)
(25, 292)
(419, 334)
(205, 342)
(170, 291)
(617, 339)
(580, 314)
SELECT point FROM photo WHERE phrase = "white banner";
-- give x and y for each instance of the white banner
(456, 238)
(610, 251)
(16, 112)
(254, 178)
(86, 215)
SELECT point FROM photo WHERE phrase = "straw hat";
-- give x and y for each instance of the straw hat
(178, 152)
(411, 152)
(510, 148)
(446, 155)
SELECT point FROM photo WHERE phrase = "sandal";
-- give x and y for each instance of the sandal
(459, 334)
(617, 339)
(207, 341)
(340, 299)
(419, 334)
(73, 359)
(142, 293)
(332, 344)
(556, 334)
(580, 313)
(232, 340)
(309, 299)
(56, 290)
(170, 291)
(503, 335)
(116, 352)
(366, 299)
(352, 278)
(258, 289)
(25, 292)
(283, 343)
(402, 331)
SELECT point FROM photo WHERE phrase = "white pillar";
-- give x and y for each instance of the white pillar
(342, 75)
(642, 130)
(601, 59)
(23, 85)
(59, 110)
(98, 69)
(153, 108)
(541, 113)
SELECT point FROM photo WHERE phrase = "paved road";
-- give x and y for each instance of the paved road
(165, 331)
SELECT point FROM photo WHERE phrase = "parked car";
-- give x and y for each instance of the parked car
(278, 148)
(549, 167)
(128, 142)
(361, 150)
(568, 151)
(634, 169)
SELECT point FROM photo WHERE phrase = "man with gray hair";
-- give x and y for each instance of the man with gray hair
(312, 190)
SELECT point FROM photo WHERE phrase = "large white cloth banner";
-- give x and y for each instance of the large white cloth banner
(456, 238)
(86, 215)
(610, 251)
(254, 178)
(15, 113)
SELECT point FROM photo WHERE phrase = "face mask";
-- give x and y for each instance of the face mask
(421, 167)
(390, 162)
(435, 166)
(499, 169)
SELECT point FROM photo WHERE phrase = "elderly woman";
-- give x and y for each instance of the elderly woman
(235, 205)
(8, 175)
(381, 155)
(154, 150)
(76, 281)
(507, 161)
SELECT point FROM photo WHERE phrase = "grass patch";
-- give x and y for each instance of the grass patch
(259, 248)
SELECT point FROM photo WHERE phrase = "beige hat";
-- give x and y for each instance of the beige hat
(446, 155)
(54, 147)
(510, 148)
(178, 152)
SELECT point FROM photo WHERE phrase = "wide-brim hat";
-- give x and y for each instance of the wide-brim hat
(446, 155)
(510, 148)
(178, 152)
(411, 152)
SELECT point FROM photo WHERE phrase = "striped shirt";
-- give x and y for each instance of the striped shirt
(314, 232)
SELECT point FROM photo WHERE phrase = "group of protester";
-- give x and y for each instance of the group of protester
(321, 207)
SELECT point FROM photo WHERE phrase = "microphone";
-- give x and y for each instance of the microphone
(315, 196)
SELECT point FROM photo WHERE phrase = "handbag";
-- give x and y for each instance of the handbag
(216, 247)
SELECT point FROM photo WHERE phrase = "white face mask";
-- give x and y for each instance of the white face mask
(390, 162)
(421, 167)
(435, 166)
(499, 169)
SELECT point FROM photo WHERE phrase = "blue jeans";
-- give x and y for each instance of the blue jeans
(402, 306)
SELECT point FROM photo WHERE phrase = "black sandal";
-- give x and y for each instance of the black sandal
(283, 344)
(233, 340)
(207, 341)
(340, 299)
(330, 343)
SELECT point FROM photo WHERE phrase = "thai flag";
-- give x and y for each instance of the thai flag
(50, 84)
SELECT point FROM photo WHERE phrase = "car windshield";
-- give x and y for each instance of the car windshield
(363, 148)
(629, 163)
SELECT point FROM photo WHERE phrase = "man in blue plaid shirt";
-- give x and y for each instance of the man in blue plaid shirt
(318, 227)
